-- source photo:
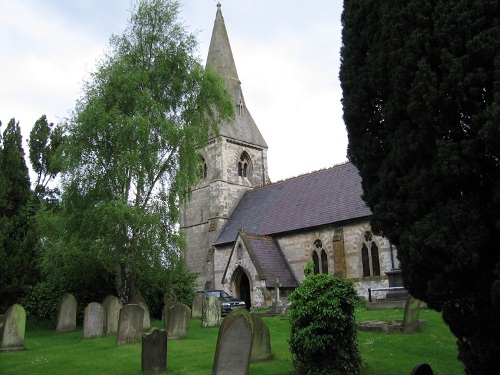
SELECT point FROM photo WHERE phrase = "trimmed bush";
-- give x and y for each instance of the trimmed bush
(323, 332)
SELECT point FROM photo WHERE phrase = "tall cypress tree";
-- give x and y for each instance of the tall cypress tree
(15, 194)
(421, 97)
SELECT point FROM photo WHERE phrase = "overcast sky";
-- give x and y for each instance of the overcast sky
(287, 54)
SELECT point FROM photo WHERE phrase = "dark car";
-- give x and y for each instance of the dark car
(228, 303)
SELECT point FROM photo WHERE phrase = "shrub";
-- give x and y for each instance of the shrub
(323, 332)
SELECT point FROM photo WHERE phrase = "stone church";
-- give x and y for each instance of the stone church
(252, 237)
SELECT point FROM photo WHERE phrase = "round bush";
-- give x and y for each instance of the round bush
(323, 332)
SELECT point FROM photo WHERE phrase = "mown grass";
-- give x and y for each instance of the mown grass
(69, 353)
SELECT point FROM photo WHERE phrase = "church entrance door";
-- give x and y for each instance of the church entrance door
(242, 284)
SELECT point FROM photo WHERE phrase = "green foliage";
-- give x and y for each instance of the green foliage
(421, 97)
(42, 300)
(323, 334)
(309, 268)
(129, 157)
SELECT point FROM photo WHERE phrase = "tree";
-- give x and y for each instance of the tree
(16, 260)
(421, 98)
(44, 144)
(130, 153)
(323, 331)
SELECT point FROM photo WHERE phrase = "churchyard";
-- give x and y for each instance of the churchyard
(48, 352)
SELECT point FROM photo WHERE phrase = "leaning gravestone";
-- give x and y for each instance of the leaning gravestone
(177, 320)
(211, 316)
(197, 306)
(154, 351)
(234, 344)
(111, 306)
(130, 324)
(261, 348)
(66, 318)
(93, 320)
(12, 329)
(410, 318)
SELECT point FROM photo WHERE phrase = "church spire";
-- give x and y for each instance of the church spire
(220, 58)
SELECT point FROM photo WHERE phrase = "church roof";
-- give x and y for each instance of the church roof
(320, 198)
(220, 58)
(271, 260)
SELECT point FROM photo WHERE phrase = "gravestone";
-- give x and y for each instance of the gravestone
(234, 344)
(111, 306)
(130, 324)
(177, 320)
(410, 318)
(137, 300)
(12, 329)
(66, 317)
(165, 311)
(211, 316)
(93, 320)
(422, 369)
(197, 306)
(261, 348)
(154, 351)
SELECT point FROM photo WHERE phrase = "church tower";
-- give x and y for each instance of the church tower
(232, 164)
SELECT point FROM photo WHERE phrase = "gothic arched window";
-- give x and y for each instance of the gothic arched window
(320, 258)
(244, 165)
(370, 257)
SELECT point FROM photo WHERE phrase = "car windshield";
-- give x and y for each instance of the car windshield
(218, 294)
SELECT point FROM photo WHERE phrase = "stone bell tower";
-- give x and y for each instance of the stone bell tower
(234, 163)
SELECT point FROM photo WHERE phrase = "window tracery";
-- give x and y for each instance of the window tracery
(370, 256)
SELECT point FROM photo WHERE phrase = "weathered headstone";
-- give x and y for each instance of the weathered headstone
(410, 318)
(66, 318)
(197, 306)
(177, 320)
(165, 310)
(93, 320)
(211, 316)
(111, 306)
(130, 324)
(422, 369)
(12, 329)
(234, 344)
(137, 300)
(261, 348)
(154, 351)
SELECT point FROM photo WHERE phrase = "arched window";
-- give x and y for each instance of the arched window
(320, 258)
(202, 166)
(244, 165)
(369, 256)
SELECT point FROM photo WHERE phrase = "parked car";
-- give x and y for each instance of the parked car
(228, 303)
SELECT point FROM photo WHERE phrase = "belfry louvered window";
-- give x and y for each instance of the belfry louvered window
(244, 165)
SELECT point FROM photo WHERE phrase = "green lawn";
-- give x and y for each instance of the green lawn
(50, 353)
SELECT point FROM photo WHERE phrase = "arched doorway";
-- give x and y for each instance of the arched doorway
(242, 286)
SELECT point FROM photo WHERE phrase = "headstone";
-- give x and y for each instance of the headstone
(137, 300)
(261, 348)
(154, 351)
(93, 320)
(12, 329)
(177, 320)
(211, 316)
(165, 310)
(197, 306)
(422, 369)
(234, 344)
(130, 324)
(66, 318)
(410, 318)
(111, 306)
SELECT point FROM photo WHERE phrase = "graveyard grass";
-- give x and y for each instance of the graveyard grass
(382, 353)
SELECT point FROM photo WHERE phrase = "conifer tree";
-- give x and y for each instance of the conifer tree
(421, 98)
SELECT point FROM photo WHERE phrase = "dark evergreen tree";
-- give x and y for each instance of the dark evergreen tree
(16, 262)
(421, 98)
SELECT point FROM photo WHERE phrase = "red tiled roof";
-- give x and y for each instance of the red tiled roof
(320, 198)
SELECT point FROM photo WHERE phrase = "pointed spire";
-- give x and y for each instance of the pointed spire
(220, 58)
